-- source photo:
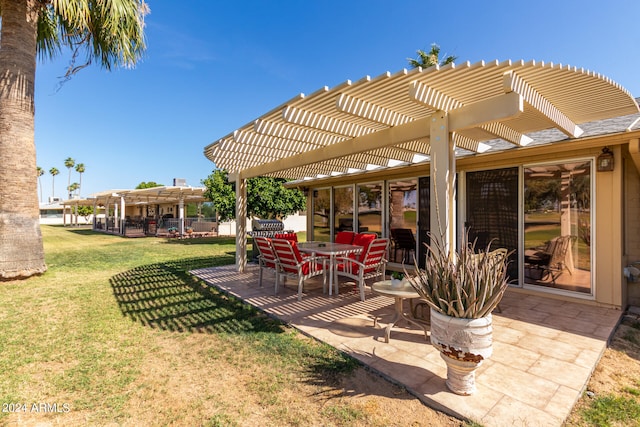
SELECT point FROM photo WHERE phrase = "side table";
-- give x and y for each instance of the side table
(399, 293)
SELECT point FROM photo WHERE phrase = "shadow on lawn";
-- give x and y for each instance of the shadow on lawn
(165, 296)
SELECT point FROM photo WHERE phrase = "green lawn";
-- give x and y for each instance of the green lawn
(117, 331)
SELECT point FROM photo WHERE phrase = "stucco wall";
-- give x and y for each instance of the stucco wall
(632, 225)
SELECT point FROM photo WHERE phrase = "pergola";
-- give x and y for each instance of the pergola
(430, 116)
(176, 195)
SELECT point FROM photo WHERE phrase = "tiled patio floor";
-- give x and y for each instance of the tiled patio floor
(544, 349)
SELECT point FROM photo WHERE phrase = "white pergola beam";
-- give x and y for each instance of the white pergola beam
(418, 129)
(514, 83)
(432, 98)
(367, 110)
(484, 112)
(281, 130)
(501, 107)
(469, 143)
(327, 124)
(505, 132)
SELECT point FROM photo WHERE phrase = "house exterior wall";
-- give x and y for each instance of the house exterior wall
(631, 224)
(609, 233)
(616, 203)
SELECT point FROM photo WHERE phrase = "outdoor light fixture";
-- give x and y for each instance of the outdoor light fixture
(605, 160)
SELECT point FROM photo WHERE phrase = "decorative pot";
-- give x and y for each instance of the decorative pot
(397, 283)
(463, 345)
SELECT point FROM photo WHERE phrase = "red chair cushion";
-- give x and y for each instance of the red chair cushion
(364, 240)
(292, 237)
(345, 237)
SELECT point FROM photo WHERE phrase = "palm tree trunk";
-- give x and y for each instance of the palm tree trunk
(21, 249)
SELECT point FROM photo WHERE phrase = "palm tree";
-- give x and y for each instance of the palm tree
(110, 33)
(80, 170)
(69, 163)
(431, 58)
(40, 172)
(53, 172)
(72, 188)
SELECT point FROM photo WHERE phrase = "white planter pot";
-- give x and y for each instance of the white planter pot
(397, 283)
(463, 345)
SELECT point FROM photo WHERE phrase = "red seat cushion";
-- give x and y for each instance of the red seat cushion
(345, 237)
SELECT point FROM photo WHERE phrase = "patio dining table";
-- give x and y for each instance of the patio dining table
(330, 250)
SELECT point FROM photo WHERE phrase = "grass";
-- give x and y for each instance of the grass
(81, 334)
(117, 333)
(613, 410)
(613, 397)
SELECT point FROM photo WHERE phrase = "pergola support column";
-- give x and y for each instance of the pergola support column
(443, 172)
(122, 215)
(241, 223)
(181, 215)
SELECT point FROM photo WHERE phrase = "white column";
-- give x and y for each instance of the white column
(241, 223)
(181, 214)
(122, 215)
(95, 213)
(443, 172)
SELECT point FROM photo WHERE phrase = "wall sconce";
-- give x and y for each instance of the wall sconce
(605, 160)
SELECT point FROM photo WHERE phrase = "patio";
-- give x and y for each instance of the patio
(544, 349)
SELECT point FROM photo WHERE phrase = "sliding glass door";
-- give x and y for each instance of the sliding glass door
(322, 214)
(557, 226)
(370, 208)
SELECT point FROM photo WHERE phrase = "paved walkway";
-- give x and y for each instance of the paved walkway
(544, 349)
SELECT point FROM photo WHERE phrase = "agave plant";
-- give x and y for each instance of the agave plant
(465, 284)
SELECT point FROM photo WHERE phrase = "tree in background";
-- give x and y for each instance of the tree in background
(85, 211)
(69, 163)
(431, 58)
(266, 197)
(222, 194)
(40, 172)
(108, 32)
(149, 184)
(53, 172)
(72, 189)
(80, 169)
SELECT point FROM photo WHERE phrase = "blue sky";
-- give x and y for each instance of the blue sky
(213, 66)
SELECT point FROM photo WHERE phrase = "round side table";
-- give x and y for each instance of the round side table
(399, 293)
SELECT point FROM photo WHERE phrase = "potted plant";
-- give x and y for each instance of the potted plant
(172, 231)
(462, 288)
(397, 278)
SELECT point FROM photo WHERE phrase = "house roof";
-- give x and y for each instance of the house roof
(384, 121)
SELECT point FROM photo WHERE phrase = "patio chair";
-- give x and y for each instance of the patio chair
(266, 256)
(370, 264)
(291, 263)
(403, 239)
(551, 260)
